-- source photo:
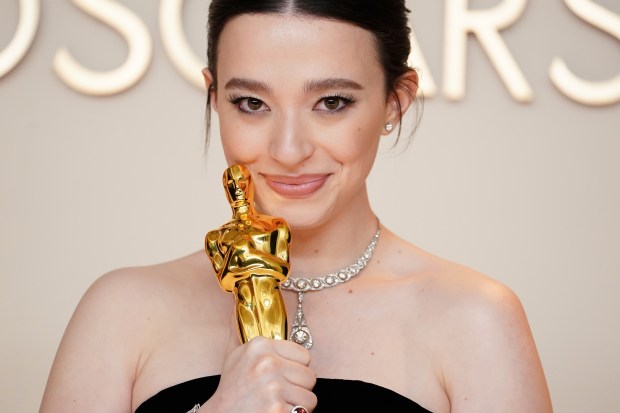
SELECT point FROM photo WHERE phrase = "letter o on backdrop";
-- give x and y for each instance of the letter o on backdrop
(29, 14)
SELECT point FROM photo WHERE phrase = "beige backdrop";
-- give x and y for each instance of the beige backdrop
(528, 193)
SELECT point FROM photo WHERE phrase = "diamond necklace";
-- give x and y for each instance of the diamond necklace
(300, 333)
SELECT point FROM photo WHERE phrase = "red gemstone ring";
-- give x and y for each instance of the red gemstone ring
(299, 409)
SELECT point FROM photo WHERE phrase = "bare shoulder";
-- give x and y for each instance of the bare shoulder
(478, 329)
(455, 291)
(138, 305)
(133, 296)
(468, 296)
(108, 336)
(489, 358)
(140, 285)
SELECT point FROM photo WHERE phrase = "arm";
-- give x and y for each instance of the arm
(96, 362)
(491, 363)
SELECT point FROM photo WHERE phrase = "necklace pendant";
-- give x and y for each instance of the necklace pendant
(300, 333)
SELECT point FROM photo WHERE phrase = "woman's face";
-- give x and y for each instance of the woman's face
(302, 103)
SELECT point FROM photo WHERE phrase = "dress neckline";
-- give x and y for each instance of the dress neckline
(199, 390)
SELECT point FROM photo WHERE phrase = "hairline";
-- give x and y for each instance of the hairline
(293, 12)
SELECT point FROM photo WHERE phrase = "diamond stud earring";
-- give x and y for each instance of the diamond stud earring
(389, 127)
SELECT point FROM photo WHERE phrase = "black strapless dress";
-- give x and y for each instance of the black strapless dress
(334, 395)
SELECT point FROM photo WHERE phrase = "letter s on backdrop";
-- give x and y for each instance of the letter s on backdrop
(140, 46)
(583, 91)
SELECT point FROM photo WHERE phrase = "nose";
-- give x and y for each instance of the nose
(291, 143)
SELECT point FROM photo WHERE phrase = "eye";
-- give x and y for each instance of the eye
(249, 104)
(333, 104)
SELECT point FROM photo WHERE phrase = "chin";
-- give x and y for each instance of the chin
(303, 223)
(298, 214)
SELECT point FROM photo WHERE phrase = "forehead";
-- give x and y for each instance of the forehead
(288, 47)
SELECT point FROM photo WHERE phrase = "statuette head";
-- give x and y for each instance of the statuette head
(238, 183)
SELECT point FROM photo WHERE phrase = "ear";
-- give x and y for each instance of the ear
(401, 98)
(210, 86)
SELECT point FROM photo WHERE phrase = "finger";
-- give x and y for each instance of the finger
(293, 351)
(287, 350)
(268, 363)
(299, 375)
(297, 396)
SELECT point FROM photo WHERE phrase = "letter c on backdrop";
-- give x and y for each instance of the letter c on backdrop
(29, 14)
(140, 46)
(176, 45)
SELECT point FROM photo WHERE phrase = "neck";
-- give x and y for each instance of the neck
(333, 244)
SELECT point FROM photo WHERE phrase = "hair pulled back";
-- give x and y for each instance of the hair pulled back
(386, 20)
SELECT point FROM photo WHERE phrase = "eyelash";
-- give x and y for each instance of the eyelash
(238, 99)
(347, 100)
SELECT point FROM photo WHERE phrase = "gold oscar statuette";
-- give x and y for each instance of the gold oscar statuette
(250, 256)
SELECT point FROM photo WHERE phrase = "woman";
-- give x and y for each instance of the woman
(304, 90)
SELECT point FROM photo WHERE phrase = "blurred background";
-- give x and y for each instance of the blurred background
(516, 176)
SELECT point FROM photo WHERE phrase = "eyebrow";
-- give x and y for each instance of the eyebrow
(249, 84)
(322, 85)
(318, 85)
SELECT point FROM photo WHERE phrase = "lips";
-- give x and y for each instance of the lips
(299, 186)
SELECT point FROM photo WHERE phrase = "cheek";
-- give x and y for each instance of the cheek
(240, 145)
(355, 142)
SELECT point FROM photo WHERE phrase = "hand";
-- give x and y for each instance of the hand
(263, 376)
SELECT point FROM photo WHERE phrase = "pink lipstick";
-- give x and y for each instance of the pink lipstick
(299, 186)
